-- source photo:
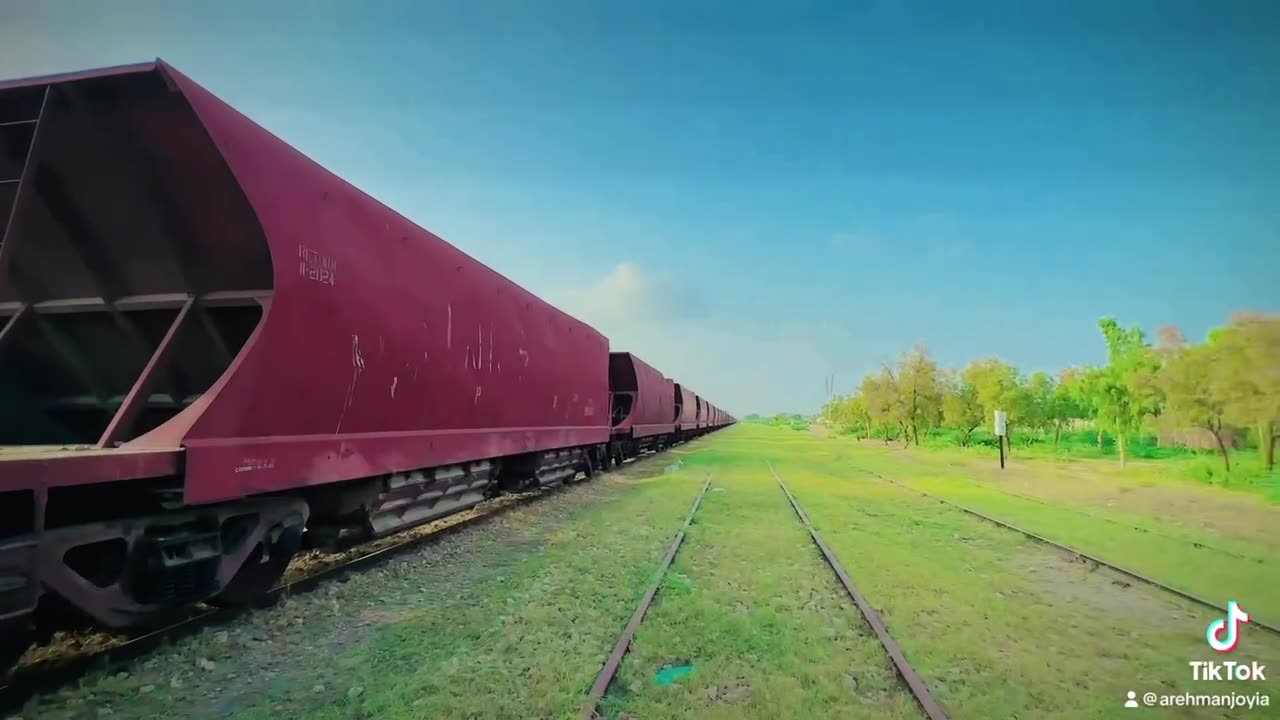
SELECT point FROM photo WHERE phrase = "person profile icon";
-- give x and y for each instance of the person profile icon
(1132, 701)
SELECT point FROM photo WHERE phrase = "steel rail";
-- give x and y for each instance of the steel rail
(1253, 619)
(47, 676)
(1120, 523)
(614, 661)
(913, 680)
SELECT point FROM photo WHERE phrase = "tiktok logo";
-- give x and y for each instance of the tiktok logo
(1230, 627)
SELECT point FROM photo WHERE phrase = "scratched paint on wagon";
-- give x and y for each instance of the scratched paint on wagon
(314, 265)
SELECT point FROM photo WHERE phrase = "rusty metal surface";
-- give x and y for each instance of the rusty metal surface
(26, 467)
(1254, 620)
(913, 680)
(614, 661)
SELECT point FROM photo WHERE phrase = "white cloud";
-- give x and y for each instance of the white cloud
(729, 359)
(629, 295)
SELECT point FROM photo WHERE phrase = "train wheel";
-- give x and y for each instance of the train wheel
(256, 577)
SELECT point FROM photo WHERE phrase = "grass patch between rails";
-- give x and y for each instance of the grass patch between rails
(758, 617)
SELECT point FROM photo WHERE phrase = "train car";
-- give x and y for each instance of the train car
(642, 406)
(677, 406)
(208, 343)
(688, 403)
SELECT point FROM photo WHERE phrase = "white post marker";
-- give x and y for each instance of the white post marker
(1002, 429)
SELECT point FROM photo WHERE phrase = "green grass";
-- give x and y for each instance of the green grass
(1172, 558)
(1248, 473)
(527, 642)
(752, 606)
(1001, 626)
(997, 625)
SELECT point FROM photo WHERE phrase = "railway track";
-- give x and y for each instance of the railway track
(1147, 580)
(41, 677)
(1119, 523)
(614, 661)
(908, 674)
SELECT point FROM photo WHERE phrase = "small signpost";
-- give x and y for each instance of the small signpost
(1002, 427)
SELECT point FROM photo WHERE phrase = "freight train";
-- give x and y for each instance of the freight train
(213, 352)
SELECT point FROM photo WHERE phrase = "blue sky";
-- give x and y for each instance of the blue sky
(752, 197)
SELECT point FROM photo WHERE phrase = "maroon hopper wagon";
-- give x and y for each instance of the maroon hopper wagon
(643, 404)
(210, 345)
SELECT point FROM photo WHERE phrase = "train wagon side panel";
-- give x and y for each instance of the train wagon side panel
(385, 348)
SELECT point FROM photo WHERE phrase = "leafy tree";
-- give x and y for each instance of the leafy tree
(1193, 383)
(853, 413)
(998, 387)
(960, 407)
(879, 401)
(1125, 392)
(917, 392)
(847, 412)
(830, 412)
(1066, 403)
(1039, 397)
(1248, 349)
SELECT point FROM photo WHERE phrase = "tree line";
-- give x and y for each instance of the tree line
(1231, 381)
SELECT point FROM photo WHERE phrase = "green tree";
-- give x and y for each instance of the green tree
(960, 407)
(880, 402)
(1194, 391)
(1249, 353)
(1125, 392)
(1039, 397)
(917, 392)
(1066, 403)
(830, 412)
(853, 413)
(998, 387)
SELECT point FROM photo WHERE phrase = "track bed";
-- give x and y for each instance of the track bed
(516, 617)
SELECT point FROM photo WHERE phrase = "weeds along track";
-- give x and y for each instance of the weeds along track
(58, 671)
(908, 674)
(1254, 620)
(1119, 523)
(614, 661)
